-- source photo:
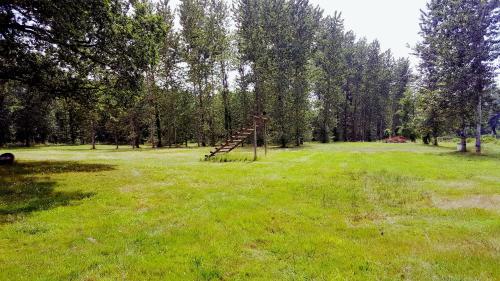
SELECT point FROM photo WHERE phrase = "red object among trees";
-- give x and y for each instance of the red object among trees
(396, 139)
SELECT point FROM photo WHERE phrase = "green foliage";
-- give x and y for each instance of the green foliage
(387, 133)
(204, 35)
(119, 72)
(458, 49)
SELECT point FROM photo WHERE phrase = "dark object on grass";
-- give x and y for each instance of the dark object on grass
(7, 159)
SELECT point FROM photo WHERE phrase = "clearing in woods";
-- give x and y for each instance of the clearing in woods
(349, 211)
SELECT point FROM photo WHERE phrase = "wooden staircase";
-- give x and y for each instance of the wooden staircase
(240, 136)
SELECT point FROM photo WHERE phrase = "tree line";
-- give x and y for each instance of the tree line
(139, 71)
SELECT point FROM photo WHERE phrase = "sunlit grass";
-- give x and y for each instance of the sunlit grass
(359, 211)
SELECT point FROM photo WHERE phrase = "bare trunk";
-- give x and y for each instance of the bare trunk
(201, 125)
(93, 139)
(137, 143)
(346, 105)
(152, 135)
(254, 140)
(71, 121)
(158, 127)
(297, 137)
(169, 139)
(325, 138)
(175, 135)
(225, 100)
(368, 131)
(27, 142)
(354, 124)
(463, 140)
(435, 138)
(478, 125)
(93, 134)
(426, 139)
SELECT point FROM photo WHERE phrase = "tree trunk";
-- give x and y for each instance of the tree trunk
(297, 137)
(93, 139)
(152, 130)
(72, 133)
(27, 142)
(463, 140)
(137, 141)
(213, 138)
(175, 135)
(225, 100)
(158, 127)
(435, 137)
(354, 122)
(478, 125)
(368, 130)
(201, 120)
(426, 139)
(346, 105)
(254, 140)
(92, 124)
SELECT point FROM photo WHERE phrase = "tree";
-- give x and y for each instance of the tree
(399, 91)
(6, 102)
(304, 21)
(252, 42)
(459, 44)
(204, 37)
(406, 116)
(330, 73)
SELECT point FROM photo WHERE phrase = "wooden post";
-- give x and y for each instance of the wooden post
(254, 140)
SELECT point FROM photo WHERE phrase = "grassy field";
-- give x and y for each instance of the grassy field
(360, 211)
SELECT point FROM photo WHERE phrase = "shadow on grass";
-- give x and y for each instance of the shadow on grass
(450, 150)
(471, 155)
(26, 187)
(292, 147)
(122, 148)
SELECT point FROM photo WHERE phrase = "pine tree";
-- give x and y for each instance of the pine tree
(330, 74)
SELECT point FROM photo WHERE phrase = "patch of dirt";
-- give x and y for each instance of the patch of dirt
(487, 202)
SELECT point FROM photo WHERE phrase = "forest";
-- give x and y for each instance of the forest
(142, 72)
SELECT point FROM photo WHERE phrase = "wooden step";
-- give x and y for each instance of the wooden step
(238, 137)
(243, 133)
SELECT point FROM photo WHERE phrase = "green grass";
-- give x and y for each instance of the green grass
(360, 211)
